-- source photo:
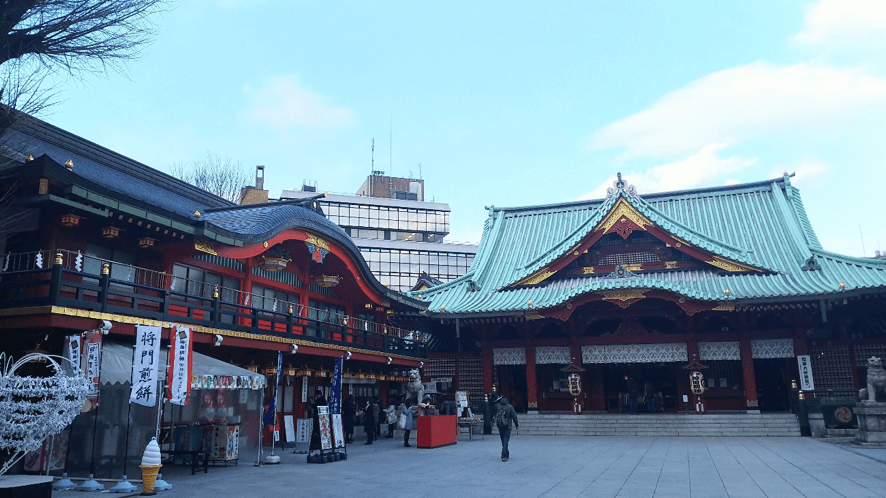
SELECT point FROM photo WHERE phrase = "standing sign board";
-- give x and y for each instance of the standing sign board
(461, 402)
(337, 431)
(325, 428)
(805, 365)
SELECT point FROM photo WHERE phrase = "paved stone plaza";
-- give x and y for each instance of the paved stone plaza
(558, 467)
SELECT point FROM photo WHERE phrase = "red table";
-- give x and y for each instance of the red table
(434, 432)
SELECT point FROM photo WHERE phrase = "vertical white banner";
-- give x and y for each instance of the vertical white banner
(73, 351)
(145, 360)
(805, 364)
(179, 375)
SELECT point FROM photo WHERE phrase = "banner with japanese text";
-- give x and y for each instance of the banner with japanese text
(72, 351)
(145, 361)
(335, 398)
(93, 346)
(180, 365)
(272, 406)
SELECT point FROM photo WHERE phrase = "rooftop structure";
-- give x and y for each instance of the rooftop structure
(399, 234)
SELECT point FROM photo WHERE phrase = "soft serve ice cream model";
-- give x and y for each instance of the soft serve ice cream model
(151, 463)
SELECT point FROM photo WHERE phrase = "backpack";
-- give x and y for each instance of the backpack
(502, 417)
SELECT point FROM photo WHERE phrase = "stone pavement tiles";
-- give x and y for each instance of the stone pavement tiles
(554, 466)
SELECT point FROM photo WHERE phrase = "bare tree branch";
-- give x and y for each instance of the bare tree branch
(222, 177)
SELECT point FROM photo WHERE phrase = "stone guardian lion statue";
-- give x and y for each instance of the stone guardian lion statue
(876, 390)
(414, 388)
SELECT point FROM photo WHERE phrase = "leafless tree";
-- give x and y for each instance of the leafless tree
(222, 177)
(61, 38)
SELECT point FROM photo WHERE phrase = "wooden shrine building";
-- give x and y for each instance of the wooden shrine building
(632, 288)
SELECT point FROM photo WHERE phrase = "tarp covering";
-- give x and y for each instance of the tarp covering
(116, 366)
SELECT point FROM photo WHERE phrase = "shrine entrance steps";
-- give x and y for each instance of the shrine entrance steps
(660, 424)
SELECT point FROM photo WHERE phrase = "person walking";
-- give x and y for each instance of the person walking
(408, 425)
(505, 415)
(391, 418)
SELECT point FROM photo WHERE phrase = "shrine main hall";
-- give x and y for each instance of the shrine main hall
(634, 288)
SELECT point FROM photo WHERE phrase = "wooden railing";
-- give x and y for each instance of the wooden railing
(26, 280)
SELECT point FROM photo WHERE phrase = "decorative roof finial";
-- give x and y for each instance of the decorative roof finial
(620, 185)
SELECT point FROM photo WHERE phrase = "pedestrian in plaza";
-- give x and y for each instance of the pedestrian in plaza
(505, 415)
(370, 419)
(631, 388)
(348, 418)
(408, 423)
(649, 396)
(391, 418)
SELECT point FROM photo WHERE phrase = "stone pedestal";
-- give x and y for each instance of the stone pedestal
(871, 424)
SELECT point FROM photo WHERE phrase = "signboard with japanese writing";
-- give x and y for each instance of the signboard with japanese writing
(461, 402)
(337, 431)
(335, 399)
(73, 351)
(145, 360)
(805, 364)
(289, 428)
(303, 430)
(325, 427)
(304, 389)
(93, 366)
(180, 361)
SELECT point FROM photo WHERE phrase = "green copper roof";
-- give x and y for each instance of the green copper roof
(761, 225)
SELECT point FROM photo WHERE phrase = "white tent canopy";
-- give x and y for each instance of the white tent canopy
(116, 366)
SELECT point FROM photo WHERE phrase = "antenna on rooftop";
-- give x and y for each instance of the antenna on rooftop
(861, 235)
(391, 147)
(372, 168)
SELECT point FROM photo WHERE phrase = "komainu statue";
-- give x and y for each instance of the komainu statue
(876, 390)
(414, 388)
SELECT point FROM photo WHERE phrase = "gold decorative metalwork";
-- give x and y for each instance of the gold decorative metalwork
(204, 245)
(730, 266)
(622, 209)
(752, 403)
(43, 189)
(634, 267)
(29, 158)
(59, 258)
(69, 164)
(670, 265)
(534, 316)
(533, 405)
(680, 242)
(111, 232)
(70, 220)
(623, 294)
(317, 241)
(724, 306)
(196, 214)
(587, 270)
(106, 269)
(536, 277)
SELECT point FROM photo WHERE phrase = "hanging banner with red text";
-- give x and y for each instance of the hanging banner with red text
(145, 360)
(180, 362)
(93, 346)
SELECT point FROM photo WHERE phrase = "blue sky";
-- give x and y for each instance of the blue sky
(516, 103)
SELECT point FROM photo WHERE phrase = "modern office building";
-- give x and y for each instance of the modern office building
(399, 234)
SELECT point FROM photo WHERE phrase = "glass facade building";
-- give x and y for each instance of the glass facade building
(398, 238)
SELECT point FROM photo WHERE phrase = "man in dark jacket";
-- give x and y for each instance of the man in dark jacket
(371, 419)
(348, 416)
(505, 415)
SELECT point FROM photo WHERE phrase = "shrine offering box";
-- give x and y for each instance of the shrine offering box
(434, 432)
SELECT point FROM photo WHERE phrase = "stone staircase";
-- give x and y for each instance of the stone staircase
(660, 424)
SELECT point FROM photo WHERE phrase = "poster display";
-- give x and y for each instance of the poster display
(805, 364)
(337, 431)
(461, 403)
(144, 365)
(303, 430)
(180, 363)
(289, 428)
(325, 428)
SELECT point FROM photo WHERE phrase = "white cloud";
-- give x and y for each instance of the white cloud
(745, 102)
(704, 167)
(810, 171)
(282, 102)
(845, 23)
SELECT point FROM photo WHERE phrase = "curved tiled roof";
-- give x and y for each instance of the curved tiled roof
(760, 224)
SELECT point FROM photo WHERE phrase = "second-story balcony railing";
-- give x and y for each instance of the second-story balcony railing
(85, 282)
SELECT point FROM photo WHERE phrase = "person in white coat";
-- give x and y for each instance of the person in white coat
(408, 425)
(391, 418)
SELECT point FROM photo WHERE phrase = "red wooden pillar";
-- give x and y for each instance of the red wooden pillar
(747, 367)
(487, 368)
(531, 388)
